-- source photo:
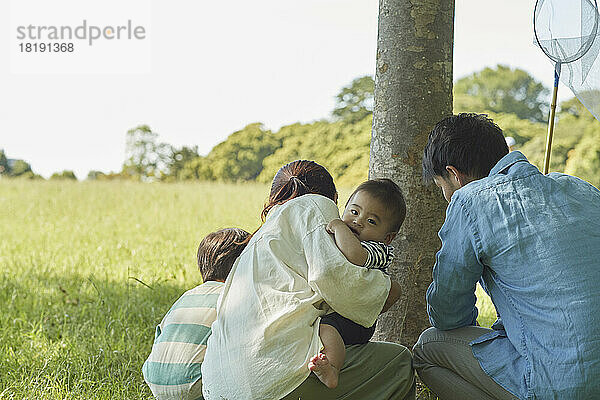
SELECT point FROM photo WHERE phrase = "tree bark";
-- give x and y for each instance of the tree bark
(413, 91)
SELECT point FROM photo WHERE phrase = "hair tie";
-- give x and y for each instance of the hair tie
(296, 177)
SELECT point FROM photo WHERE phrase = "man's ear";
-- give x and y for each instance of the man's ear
(457, 176)
(389, 237)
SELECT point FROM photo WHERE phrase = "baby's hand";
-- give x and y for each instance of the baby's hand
(334, 224)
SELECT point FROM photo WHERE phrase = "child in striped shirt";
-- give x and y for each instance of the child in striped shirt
(172, 371)
(371, 219)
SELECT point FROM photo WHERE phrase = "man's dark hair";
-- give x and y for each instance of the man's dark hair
(471, 143)
(389, 194)
(217, 253)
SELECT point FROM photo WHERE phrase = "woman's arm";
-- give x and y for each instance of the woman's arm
(347, 242)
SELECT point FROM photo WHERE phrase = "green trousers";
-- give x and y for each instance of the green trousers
(372, 371)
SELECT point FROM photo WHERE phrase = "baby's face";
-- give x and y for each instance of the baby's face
(368, 218)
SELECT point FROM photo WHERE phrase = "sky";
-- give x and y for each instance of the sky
(206, 69)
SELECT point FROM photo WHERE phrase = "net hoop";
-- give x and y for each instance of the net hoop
(588, 44)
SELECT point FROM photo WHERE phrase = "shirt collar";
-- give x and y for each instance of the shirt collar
(507, 161)
(213, 283)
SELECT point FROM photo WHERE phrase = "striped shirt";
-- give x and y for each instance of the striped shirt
(379, 255)
(172, 371)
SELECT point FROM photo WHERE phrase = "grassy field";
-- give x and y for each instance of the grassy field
(88, 269)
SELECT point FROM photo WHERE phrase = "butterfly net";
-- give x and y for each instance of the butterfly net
(567, 32)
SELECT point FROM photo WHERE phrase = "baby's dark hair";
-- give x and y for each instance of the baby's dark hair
(389, 194)
(217, 253)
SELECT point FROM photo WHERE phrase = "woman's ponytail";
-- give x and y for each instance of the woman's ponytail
(297, 179)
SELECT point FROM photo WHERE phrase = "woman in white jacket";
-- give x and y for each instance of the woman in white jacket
(290, 274)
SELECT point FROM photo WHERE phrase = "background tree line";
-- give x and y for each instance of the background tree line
(514, 99)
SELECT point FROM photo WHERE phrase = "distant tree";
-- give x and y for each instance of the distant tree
(4, 168)
(95, 175)
(581, 155)
(573, 146)
(178, 159)
(522, 130)
(110, 176)
(355, 102)
(145, 158)
(19, 168)
(502, 90)
(341, 146)
(239, 158)
(584, 160)
(64, 175)
(588, 97)
(574, 107)
(16, 168)
(197, 169)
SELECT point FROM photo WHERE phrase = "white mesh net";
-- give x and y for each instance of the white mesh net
(567, 32)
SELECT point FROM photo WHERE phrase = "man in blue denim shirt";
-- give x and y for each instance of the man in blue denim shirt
(533, 242)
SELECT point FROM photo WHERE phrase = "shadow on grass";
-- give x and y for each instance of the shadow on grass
(78, 336)
(82, 337)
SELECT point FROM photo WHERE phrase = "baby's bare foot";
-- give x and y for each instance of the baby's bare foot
(327, 373)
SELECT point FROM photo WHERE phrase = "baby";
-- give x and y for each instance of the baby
(371, 220)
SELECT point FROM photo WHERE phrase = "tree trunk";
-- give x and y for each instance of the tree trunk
(413, 91)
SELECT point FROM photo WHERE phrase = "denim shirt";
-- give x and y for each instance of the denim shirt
(533, 242)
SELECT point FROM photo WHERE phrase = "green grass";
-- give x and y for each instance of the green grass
(88, 269)
(487, 312)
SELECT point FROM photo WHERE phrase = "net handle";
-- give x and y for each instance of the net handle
(550, 136)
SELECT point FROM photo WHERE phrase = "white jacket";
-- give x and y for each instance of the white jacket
(267, 325)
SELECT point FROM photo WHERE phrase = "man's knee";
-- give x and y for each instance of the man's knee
(428, 335)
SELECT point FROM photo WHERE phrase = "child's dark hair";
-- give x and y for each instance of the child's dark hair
(389, 194)
(217, 253)
(472, 143)
(298, 178)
